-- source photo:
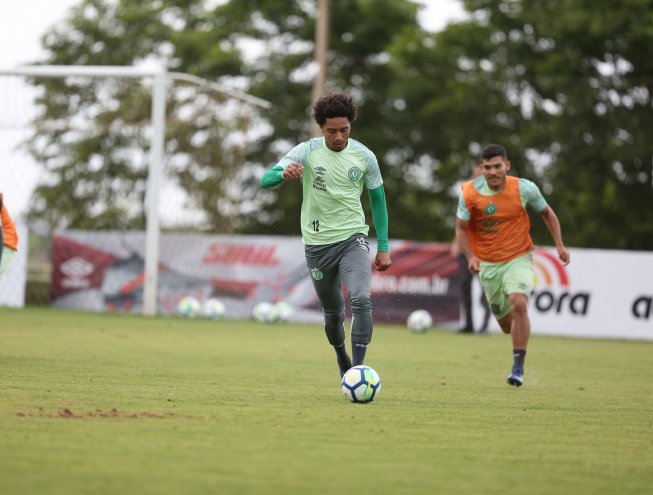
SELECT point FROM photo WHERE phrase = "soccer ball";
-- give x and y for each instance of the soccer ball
(284, 311)
(265, 312)
(213, 309)
(189, 307)
(419, 320)
(361, 384)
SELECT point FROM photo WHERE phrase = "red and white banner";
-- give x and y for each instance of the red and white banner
(600, 294)
(103, 271)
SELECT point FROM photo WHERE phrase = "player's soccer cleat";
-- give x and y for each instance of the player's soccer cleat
(342, 372)
(516, 377)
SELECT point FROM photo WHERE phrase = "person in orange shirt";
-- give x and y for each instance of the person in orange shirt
(467, 279)
(493, 231)
(8, 239)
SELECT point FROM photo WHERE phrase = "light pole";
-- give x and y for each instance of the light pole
(321, 47)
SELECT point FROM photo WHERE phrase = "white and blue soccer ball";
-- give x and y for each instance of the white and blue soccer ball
(419, 321)
(361, 384)
(284, 311)
(189, 307)
(264, 312)
(213, 309)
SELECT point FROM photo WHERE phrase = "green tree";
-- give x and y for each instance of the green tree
(93, 135)
(361, 31)
(90, 169)
(565, 85)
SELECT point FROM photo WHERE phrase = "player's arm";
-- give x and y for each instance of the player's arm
(534, 198)
(2, 244)
(380, 218)
(462, 239)
(272, 177)
(553, 224)
(277, 174)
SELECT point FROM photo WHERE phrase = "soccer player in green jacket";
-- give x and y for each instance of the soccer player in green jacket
(333, 169)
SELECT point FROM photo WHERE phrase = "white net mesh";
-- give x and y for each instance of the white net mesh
(116, 111)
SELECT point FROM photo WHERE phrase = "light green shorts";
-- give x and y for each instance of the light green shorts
(500, 279)
(8, 256)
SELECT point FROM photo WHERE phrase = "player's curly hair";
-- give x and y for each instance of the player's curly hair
(334, 105)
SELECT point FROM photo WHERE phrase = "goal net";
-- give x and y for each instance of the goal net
(118, 149)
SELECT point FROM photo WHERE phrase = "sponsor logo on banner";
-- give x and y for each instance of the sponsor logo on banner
(642, 307)
(553, 292)
(423, 276)
(230, 253)
(601, 293)
(75, 273)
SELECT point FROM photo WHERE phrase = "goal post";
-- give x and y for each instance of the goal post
(156, 156)
(159, 76)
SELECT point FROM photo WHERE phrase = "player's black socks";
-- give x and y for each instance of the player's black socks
(344, 363)
(519, 356)
(358, 353)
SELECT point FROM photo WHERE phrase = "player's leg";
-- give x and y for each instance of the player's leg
(328, 287)
(519, 280)
(520, 325)
(487, 313)
(466, 295)
(491, 279)
(356, 273)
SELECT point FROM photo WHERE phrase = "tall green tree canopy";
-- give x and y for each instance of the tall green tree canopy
(564, 85)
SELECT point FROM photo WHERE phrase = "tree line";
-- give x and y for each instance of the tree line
(565, 86)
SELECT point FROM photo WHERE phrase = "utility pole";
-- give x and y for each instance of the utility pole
(321, 48)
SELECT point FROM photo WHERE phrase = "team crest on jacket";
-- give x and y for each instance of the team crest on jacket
(316, 274)
(490, 209)
(354, 173)
(363, 244)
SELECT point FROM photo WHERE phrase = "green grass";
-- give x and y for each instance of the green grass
(96, 403)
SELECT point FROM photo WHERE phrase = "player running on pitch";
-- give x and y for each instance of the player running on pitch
(8, 238)
(334, 168)
(493, 230)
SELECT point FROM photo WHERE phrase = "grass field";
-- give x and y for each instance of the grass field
(119, 404)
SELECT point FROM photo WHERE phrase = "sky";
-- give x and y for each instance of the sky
(23, 22)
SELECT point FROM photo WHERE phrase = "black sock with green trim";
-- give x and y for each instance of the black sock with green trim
(358, 353)
(519, 356)
(344, 363)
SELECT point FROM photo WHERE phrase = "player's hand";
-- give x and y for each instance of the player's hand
(293, 171)
(564, 255)
(474, 264)
(382, 261)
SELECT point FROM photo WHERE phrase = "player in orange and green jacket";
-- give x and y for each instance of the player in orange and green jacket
(8, 238)
(493, 230)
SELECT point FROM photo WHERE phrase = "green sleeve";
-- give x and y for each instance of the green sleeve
(272, 177)
(380, 217)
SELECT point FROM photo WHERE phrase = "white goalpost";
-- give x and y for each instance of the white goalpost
(159, 77)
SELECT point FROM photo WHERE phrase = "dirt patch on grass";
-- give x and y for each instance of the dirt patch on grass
(67, 413)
